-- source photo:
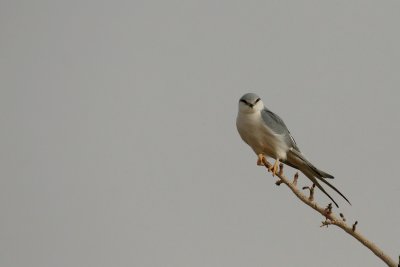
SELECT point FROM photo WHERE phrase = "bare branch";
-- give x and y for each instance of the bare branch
(331, 218)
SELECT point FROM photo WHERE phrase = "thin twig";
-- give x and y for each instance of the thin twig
(332, 219)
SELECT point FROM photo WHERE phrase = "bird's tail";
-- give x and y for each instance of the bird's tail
(298, 161)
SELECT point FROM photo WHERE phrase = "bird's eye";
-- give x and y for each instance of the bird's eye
(258, 99)
(244, 101)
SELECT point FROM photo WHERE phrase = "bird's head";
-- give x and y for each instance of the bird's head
(250, 103)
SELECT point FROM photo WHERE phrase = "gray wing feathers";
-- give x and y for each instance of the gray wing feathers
(276, 124)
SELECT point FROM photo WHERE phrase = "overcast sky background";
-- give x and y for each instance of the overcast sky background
(119, 145)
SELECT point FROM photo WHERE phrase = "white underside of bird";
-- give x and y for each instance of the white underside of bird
(259, 137)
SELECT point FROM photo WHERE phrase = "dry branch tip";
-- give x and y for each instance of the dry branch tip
(295, 178)
(311, 196)
(326, 223)
(354, 226)
(328, 209)
(280, 169)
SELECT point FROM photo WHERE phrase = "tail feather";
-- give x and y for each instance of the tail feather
(315, 181)
(318, 171)
(334, 188)
(298, 161)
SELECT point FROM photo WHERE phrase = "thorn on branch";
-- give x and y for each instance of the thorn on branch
(342, 216)
(278, 182)
(280, 169)
(312, 192)
(311, 197)
(326, 223)
(328, 209)
(295, 178)
(354, 226)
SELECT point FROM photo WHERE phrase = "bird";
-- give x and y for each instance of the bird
(266, 133)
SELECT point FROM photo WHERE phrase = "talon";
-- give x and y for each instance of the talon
(274, 168)
(260, 160)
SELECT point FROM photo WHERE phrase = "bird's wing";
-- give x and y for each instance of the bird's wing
(276, 124)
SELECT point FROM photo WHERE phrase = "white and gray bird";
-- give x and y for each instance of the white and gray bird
(266, 133)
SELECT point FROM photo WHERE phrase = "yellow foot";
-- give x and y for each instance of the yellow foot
(260, 160)
(274, 168)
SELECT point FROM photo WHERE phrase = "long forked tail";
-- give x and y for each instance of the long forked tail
(322, 179)
(315, 181)
(334, 188)
(298, 161)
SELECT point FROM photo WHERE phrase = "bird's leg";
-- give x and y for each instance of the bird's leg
(274, 168)
(260, 160)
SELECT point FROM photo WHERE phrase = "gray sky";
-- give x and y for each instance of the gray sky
(119, 145)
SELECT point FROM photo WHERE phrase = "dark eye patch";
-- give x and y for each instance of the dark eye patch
(244, 101)
(258, 99)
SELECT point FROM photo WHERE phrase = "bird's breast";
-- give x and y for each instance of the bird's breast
(259, 137)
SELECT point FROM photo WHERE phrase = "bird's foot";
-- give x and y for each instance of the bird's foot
(260, 160)
(274, 168)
